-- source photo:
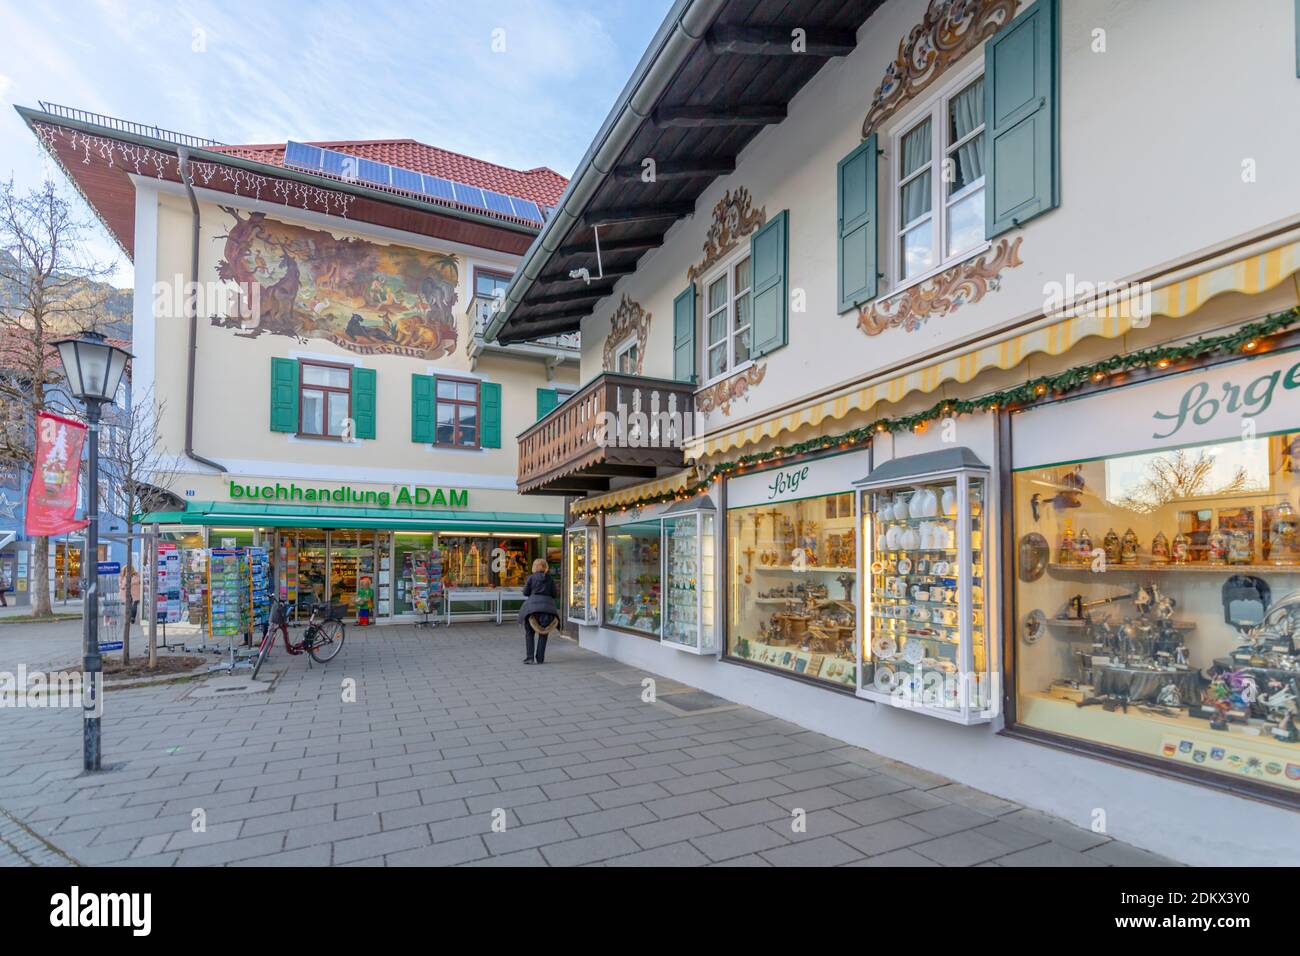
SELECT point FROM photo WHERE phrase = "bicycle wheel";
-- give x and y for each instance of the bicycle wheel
(264, 651)
(327, 641)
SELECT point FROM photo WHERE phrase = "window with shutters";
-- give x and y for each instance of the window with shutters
(626, 358)
(937, 166)
(728, 317)
(457, 413)
(324, 399)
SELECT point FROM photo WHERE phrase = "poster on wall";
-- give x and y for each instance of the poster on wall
(52, 493)
(363, 296)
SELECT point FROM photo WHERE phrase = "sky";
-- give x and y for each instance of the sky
(522, 83)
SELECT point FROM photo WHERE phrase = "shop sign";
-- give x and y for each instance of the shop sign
(403, 497)
(1242, 400)
(814, 478)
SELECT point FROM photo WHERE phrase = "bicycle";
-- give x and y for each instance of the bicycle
(322, 640)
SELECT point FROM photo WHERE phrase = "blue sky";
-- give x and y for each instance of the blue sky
(259, 72)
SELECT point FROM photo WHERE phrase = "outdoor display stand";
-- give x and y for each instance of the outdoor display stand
(166, 599)
(514, 596)
(422, 582)
(112, 606)
(689, 572)
(259, 588)
(582, 573)
(477, 596)
(924, 642)
(229, 600)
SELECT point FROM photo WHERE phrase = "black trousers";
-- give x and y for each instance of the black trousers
(529, 638)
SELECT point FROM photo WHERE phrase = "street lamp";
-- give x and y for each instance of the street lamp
(94, 369)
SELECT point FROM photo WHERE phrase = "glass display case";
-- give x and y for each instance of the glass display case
(791, 600)
(689, 530)
(634, 576)
(582, 573)
(925, 645)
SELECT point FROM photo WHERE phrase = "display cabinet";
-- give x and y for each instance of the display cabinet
(924, 644)
(582, 573)
(690, 558)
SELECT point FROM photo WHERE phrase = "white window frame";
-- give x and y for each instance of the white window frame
(935, 109)
(622, 350)
(726, 268)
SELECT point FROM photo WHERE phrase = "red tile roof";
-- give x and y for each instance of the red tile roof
(541, 185)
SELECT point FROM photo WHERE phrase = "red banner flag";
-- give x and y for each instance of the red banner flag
(52, 494)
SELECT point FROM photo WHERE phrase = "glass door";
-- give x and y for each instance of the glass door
(313, 580)
(352, 570)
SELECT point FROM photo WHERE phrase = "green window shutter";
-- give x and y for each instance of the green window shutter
(284, 395)
(769, 260)
(363, 401)
(423, 390)
(547, 400)
(1021, 113)
(856, 205)
(489, 411)
(684, 335)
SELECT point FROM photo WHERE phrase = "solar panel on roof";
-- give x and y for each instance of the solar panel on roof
(340, 164)
(406, 179)
(469, 195)
(525, 209)
(498, 203)
(439, 187)
(302, 155)
(370, 171)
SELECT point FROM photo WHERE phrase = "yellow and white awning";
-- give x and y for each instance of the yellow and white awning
(625, 497)
(1108, 319)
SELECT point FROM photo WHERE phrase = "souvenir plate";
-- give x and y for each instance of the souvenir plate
(913, 652)
(883, 647)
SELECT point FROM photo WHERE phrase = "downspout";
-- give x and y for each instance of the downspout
(192, 307)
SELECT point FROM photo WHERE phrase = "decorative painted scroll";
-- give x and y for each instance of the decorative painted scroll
(734, 218)
(720, 395)
(629, 320)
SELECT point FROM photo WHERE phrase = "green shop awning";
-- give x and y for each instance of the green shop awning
(236, 513)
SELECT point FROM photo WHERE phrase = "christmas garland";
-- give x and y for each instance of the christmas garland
(1248, 339)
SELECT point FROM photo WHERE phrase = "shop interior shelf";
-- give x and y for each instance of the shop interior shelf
(812, 568)
(1077, 624)
(1177, 568)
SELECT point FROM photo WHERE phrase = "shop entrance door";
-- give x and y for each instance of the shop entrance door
(352, 570)
(313, 571)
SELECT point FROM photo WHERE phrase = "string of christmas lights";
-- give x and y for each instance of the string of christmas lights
(1248, 340)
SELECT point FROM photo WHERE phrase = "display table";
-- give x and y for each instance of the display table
(1143, 684)
(512, 595)
(478, 596)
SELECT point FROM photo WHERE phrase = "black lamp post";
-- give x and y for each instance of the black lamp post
(94, 369)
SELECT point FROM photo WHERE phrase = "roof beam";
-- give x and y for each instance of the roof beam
(692, 168)
(665, 210)
(741, 114)
(609, 246)
(781, 41)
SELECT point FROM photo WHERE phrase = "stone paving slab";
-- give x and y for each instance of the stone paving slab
(453, 753)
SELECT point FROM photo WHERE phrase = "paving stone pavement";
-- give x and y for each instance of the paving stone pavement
(454, 753)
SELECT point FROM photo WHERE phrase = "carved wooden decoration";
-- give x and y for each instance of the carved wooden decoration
(629, 320)
(942, 294)
(720, 395)
(734, 218)
(950, 30)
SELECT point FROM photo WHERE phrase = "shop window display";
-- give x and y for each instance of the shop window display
(583, 573)
(632, 576)
(792, 590)
(513, 558)
(1159, 602)
(689, 613)
(925, 645)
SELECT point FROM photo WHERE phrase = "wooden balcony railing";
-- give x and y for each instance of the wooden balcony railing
(616, 426)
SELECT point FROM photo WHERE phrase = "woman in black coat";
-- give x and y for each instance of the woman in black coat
(539, 601)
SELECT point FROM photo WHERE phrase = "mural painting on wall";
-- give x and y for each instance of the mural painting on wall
(950, 30)
(940, 295)
(721, 395)
(362, 296)
(734, 218)
(630, 321)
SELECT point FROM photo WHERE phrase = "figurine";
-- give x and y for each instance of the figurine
(1085, 547)
(1068, 550)
(1182, 553)
(1112, 547)
(1129, 548)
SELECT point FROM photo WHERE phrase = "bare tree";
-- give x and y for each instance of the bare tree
(49, 289)
(138, 477)
(1177, 476)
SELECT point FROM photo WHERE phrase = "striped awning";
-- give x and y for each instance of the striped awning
(632, 494)
(1106, 318)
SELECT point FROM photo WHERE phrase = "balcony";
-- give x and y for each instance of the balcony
(553, 350)
(615, 427)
